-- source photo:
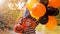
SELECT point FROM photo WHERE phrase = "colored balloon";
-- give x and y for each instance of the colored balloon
(54, 3)
(38, 10)
(52, 23)
(30, 4)
(45, 2)
(52, 11)
(43, 20)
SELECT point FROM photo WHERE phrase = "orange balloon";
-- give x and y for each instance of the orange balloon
(30, 4)
(54, 3)
(52, 23)
(38, 10)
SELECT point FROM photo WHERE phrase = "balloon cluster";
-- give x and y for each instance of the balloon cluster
(44, 11)
(39, 11)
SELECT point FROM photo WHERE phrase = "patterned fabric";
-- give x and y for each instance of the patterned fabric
(30, 30)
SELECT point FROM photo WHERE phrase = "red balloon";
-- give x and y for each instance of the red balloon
(38, 10)
(54, 3)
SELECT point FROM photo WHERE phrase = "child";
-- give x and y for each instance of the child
(27, 26)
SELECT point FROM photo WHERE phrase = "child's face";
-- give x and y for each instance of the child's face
(28, 22)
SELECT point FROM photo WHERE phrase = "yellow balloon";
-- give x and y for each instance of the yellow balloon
(30, 4)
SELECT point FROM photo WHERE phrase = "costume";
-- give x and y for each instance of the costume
(27, 26)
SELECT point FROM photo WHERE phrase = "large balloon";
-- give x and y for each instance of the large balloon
(54, 3)
(52, 23)
(45, 2)
(52, 11)
(43, 20)
(38, 10)
(30, 4)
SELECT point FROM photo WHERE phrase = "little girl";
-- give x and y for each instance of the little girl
(27, 26)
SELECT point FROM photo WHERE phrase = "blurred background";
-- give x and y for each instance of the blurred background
(10, 13)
